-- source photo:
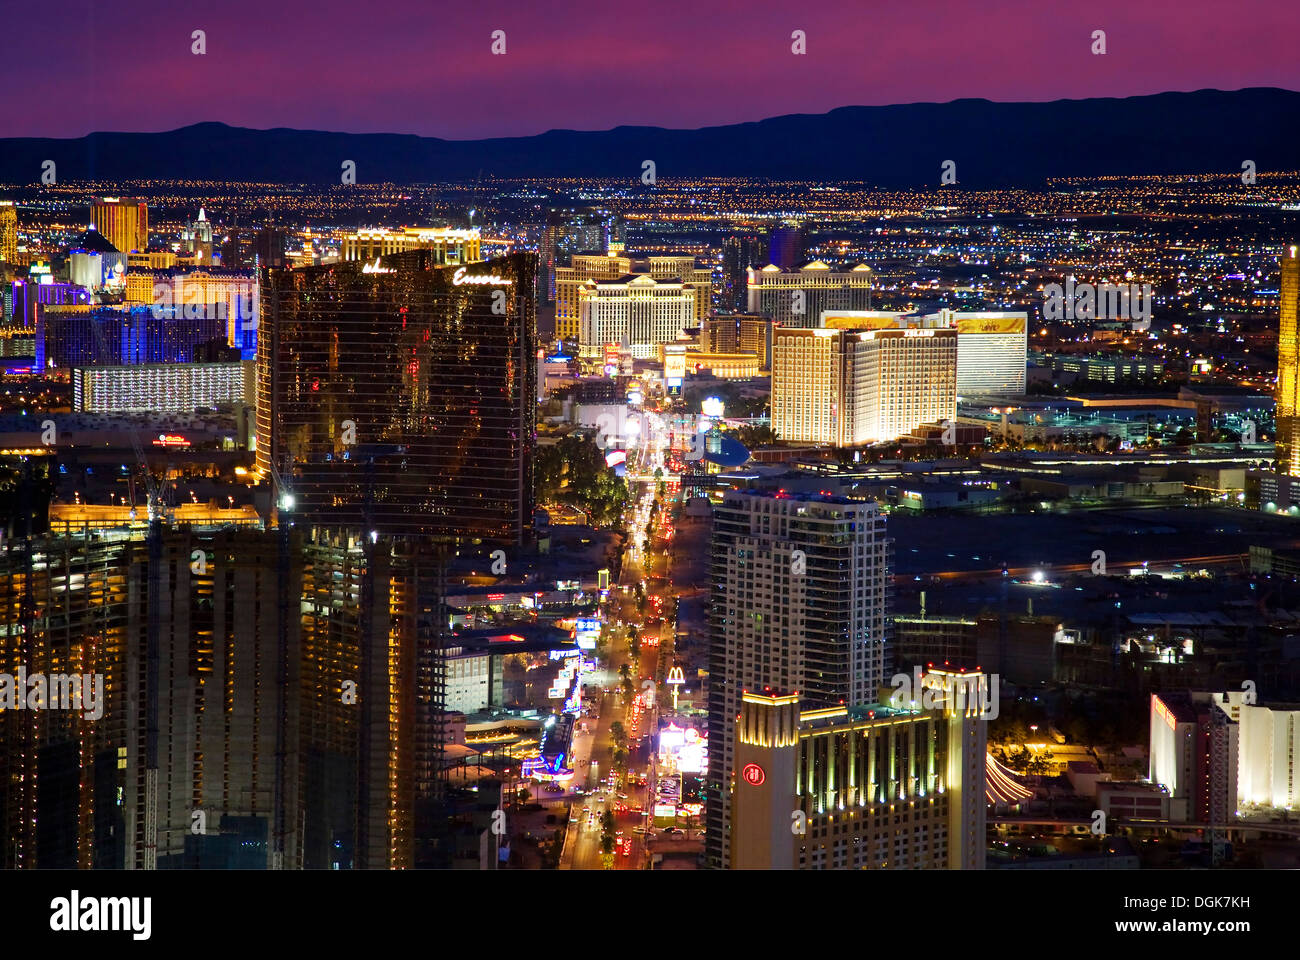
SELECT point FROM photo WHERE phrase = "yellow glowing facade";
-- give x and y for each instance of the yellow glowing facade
(849, 387)
(123, 223)
(1288, 359)
(869, 788)
(451, 245)
(8, 232)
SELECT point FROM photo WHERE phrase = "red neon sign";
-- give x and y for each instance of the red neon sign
(753, 775)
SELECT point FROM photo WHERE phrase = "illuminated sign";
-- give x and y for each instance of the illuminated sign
(376, 268)
(674, 366)
(753, 775)
(832, 322)
(460, 278)
(712, 407)
(990, 325)
(665, 810)
(171, 440)
(692, 757)
(1164, 712)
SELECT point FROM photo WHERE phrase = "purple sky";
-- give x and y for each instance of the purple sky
(415, 66)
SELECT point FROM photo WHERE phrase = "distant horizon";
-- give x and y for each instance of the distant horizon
(431, 69)
(642, 126)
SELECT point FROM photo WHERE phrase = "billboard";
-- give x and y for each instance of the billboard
(586, 632)
(833, 321)
(990, 324)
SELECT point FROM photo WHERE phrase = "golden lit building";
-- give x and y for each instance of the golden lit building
(450, 245)
(8, 231)
(1288, 360)
(735, 333)
(991, 346)
(612, 267)
(139, 260)
(861, 788)
(124, 223)
(848, 387)
(724, 366)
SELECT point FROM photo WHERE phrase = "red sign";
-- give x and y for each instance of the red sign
(753, 774)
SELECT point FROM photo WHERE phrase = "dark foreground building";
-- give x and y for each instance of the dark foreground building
(398, 395)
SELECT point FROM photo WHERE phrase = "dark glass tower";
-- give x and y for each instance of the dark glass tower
(399, 397)
(739, 253)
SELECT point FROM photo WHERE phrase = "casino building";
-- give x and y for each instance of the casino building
(847, 387)
(399, 397)
(860, 788)
(992, 347)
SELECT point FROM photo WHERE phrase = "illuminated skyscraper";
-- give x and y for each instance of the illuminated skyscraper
(8, 231)
(400, 398)
(124, 222)
(848, 387)
(991, 346)
(1288, 366)
(800, 601)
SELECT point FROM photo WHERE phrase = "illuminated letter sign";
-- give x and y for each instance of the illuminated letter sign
(460, 278)
(753, 775)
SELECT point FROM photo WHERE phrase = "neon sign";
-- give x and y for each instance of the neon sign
(753, 775)
(460, 278)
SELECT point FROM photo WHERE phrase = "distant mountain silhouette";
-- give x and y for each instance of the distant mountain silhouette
(992, 144)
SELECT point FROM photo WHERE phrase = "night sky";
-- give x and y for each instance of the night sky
(425, 67)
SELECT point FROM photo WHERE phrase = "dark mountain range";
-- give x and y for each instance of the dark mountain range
(992, 144)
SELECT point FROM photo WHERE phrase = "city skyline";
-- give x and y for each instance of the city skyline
(845, 439)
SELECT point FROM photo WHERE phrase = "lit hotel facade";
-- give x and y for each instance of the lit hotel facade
(797, 298)
(636, 311)
(992, 347)
(123, 223)
(870, 787)
(570, 281)
(849, 387)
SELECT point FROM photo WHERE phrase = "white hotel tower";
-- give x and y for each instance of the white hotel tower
(635, 311)
(800, 602)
